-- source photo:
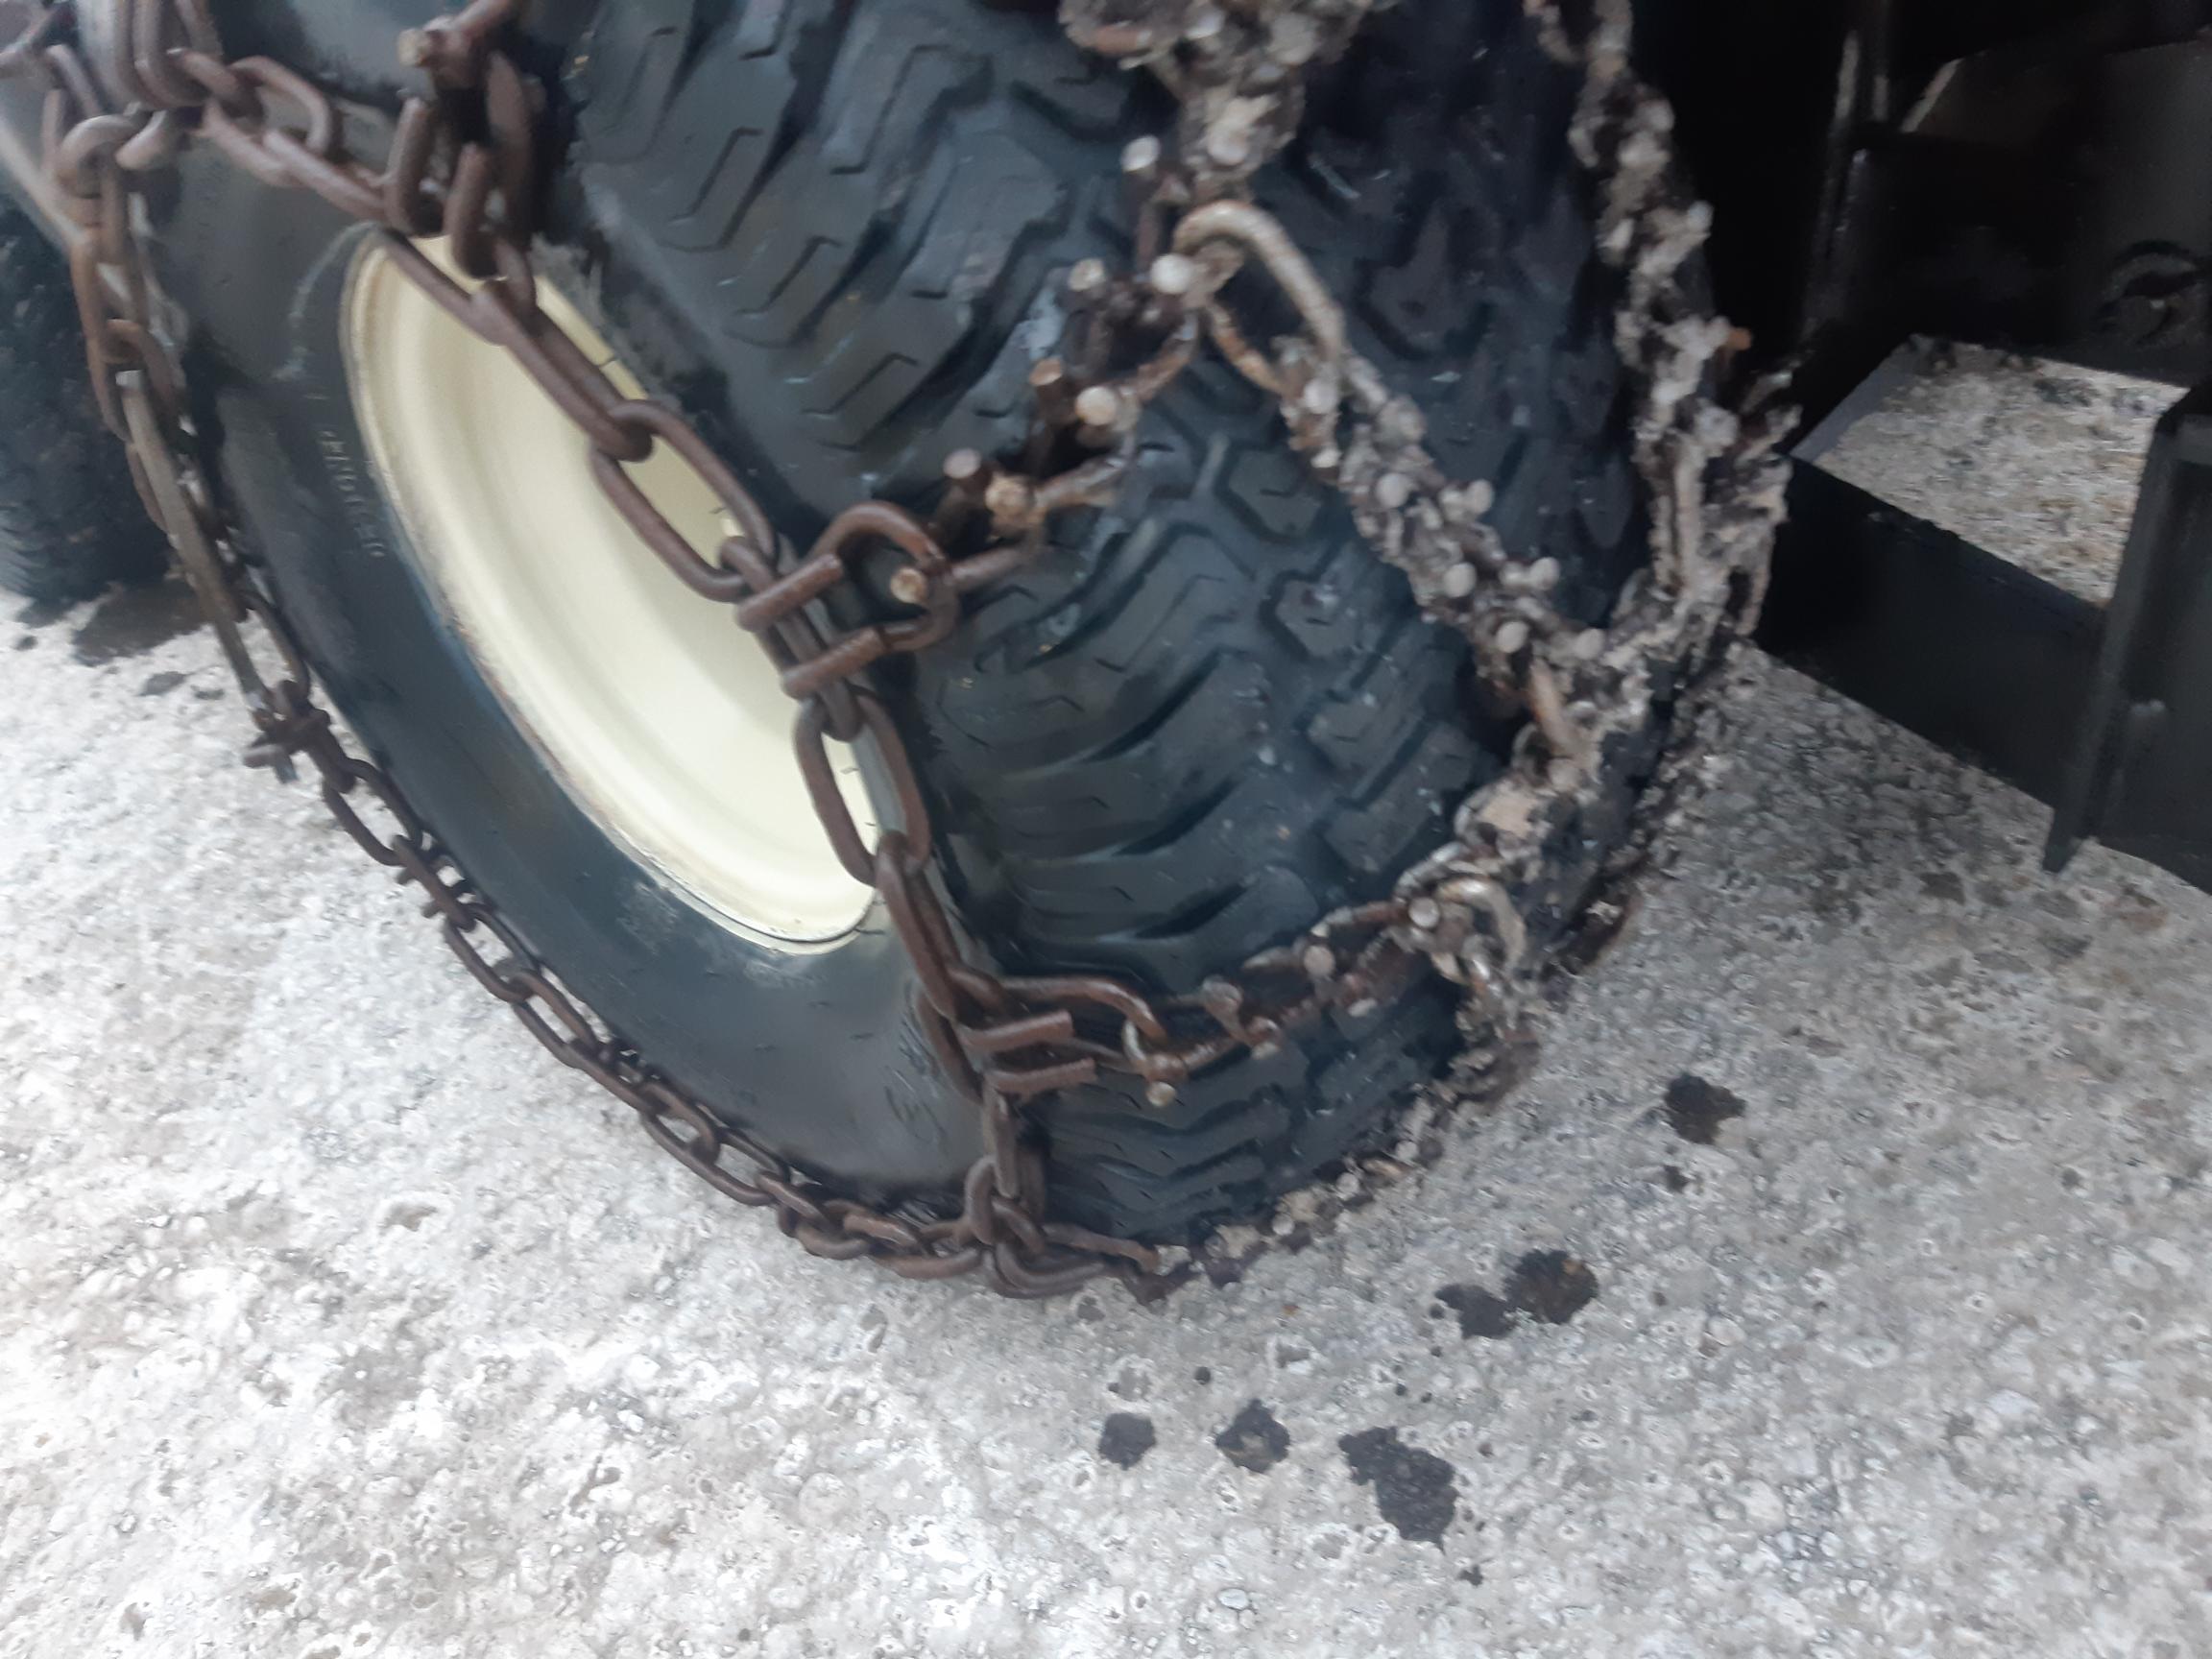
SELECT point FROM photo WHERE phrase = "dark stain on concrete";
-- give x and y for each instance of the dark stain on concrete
(1254, 1441)
(132, 621)
(1415, 1491)
(1202, 1375)
(1697, 1108)
(1471, 1575)
(1551, 1286)
(1943, 884)
(1546, 1285)
(1126, 1439)
(28, 643)
(1481, 1313)
(1672, 1178)
(162, 684)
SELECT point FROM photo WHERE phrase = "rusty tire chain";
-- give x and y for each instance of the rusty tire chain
(461, 164)
(1712, 474)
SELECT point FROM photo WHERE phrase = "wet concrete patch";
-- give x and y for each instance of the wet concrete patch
(1253, 1440)
(1415, 1491)
(1125, 1438)
(1546, 1285)
(1696, 1108)
(1480, 1313)
(132, 621)
(1551, 1286)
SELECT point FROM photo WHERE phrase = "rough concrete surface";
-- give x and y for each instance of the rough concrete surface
(2037, 462)
(1836, 1287)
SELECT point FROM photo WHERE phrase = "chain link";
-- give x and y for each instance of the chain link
(463, 164)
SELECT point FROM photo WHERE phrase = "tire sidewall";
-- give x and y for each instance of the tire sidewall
(816, 1052)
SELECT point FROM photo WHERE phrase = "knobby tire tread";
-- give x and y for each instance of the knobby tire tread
(838, 230)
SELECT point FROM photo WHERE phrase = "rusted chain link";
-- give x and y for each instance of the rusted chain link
(1235, 70)
(462, 164)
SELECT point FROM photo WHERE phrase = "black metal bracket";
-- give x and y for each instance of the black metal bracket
(2029, 174)
(1978, 656)
(2100, 711)
(2022, 173)
(2140, 774)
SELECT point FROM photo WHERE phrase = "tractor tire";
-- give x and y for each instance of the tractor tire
(70, 521)
(836, 232)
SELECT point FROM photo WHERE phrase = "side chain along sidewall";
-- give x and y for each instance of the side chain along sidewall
(817, 1050)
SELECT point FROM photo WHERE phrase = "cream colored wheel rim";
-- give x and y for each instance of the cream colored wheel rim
(661, 717)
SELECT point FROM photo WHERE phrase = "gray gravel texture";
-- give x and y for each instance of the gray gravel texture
(2035, 461)
(1867, 1183)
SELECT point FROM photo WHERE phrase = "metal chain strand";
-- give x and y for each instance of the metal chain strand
(1714, 476)
(462, 165)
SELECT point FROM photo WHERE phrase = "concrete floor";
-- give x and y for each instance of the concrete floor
(336, 1321)
(2035, 460)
